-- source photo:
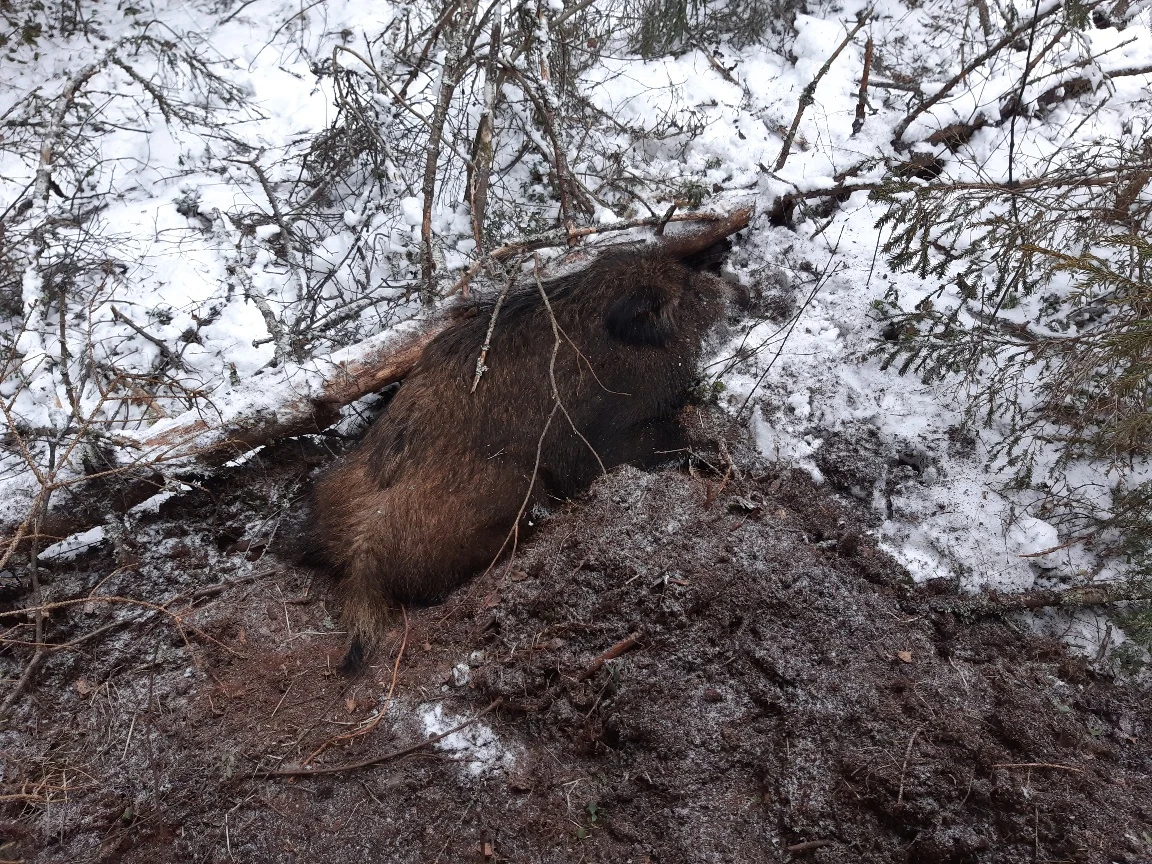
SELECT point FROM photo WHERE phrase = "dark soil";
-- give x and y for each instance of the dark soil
(785, 695)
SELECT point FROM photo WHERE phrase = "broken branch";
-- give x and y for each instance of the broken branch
(862, 97)
(621, 647)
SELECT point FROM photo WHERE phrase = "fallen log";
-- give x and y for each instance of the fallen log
(293, 401)
(298, 399)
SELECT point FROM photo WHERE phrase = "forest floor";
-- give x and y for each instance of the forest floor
(783, 692)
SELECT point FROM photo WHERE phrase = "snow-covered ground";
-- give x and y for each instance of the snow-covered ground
(192, 254)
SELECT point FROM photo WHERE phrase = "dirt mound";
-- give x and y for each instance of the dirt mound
(682, 667)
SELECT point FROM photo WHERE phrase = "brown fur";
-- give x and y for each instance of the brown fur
(432, 492)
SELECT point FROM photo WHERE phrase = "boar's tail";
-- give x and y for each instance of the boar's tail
(353, 663)
(366, 607)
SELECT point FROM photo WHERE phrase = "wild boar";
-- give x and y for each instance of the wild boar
(433, 492)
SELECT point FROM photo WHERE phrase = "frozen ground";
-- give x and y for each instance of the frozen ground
(189, 225)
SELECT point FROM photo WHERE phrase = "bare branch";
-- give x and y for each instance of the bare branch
(809, 91)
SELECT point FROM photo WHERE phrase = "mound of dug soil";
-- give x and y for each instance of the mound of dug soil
(682, 667)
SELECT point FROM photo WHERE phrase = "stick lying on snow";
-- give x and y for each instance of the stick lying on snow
(293, 400)
(297, 399)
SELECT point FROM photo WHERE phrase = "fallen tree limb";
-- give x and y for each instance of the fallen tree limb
(292, 399)
(307, 398)
(302, 400)
(994, 603)
(298, 399)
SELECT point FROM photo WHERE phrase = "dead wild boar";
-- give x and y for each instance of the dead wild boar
(432, 493)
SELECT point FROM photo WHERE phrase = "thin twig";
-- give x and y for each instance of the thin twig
(542, 47)
(450, 75)
(387, 757)
(480, 361)
(556, 333)
(622, 647)
(448, 12)
(904, 767)
(808, 846)
(977, 62)
(348, 736)
(514, 532)
(179, 620)
(483, 150)
(165, 351)
(809, 91)
(780, 349)
(1020, 99)
(1101, 594)
(729, 223)
(39, 616)
(862, 96)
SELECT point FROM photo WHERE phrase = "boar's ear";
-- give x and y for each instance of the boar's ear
(640, 317)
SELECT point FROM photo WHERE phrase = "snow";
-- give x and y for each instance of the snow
(412, 210)
(71, 547)
(476, 745)
(1029, 537)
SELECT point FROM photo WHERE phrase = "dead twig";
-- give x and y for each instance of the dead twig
(862, 97)
(1102, 594)
(807, 846)
(480, 361)
(904, 767)
(546, 104)
(483, 149)
(809, 91)
(165, 351)
(557, 405)
(1038, 765)
(718, 226)
(715, 64)
(993, 50)
(348, 736)
(181, 624)
(387, 757)
(38, 615)
(450, 75)
(433, 36)
(556, 334)
(568, 186)
(620, 648)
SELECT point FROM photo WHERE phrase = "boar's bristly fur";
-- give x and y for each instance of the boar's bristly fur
(433, 491)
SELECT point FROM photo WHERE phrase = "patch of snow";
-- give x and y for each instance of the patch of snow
(477, 745)
(1028, 537)
(76, 544)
